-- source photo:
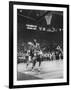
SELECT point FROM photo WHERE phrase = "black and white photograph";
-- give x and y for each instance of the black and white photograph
(39, 44)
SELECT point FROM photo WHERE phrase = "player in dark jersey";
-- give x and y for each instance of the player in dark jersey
(37, 54)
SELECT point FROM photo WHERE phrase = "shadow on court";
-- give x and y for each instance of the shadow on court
(22, 76)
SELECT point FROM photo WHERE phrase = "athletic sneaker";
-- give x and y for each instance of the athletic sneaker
(39, 69)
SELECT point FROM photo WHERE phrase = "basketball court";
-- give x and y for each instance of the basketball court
(48, 70)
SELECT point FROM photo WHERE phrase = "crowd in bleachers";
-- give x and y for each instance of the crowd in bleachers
(51, 50)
